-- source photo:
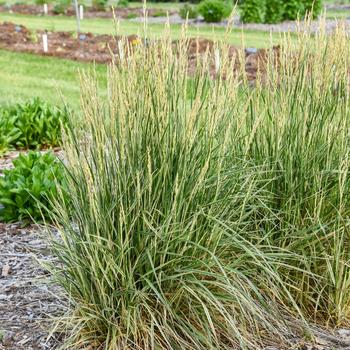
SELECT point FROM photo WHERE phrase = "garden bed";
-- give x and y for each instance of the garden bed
(99, 48)
(89, 12)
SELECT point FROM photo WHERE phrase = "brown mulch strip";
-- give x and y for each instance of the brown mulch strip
(89, 12)
(101, 48)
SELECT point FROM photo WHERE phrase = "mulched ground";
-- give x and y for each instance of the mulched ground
(89, 12)
(27, 298)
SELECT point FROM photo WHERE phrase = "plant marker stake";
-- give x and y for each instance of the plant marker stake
(81, 12)
(46, 10)
(121, 50)
(45, 43)
(217, 60)
(77, 16)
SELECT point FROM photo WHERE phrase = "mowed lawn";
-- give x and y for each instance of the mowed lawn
(106, 26)
(24, 76)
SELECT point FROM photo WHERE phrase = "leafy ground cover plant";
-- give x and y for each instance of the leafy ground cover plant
(207, 214)
(33, 124)
(8, 134)
(26, 189)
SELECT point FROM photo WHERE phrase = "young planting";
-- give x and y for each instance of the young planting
(204, 213)
(33, 124)
(27, 190)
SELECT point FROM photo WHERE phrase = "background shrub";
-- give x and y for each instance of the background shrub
(293, 9)
(253, 11)
(33, 124)
(274, 11)
(214, 10)
(123, 3)
(42, 2)
(188, 11)
(100, 4)
(61, 7)
(26, 190)
(315, 6)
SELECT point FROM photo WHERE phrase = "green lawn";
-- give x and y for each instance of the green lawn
(339, 14)
(106, 26)
(24, 76)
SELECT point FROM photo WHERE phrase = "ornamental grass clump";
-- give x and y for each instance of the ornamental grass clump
(203, 213)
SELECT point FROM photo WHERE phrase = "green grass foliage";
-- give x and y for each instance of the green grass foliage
(204, 213)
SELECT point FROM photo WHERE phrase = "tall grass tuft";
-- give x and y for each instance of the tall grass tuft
(203, 213)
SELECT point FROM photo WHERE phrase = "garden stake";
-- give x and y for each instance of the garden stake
(81, 12)
(45, 43)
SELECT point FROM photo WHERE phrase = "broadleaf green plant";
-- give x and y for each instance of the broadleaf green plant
(27, 189)
(33, 124)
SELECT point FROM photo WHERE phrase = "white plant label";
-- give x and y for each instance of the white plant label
(46, 10)
(121, 50)
(81, 12)
(217, 60)
(45, 43)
